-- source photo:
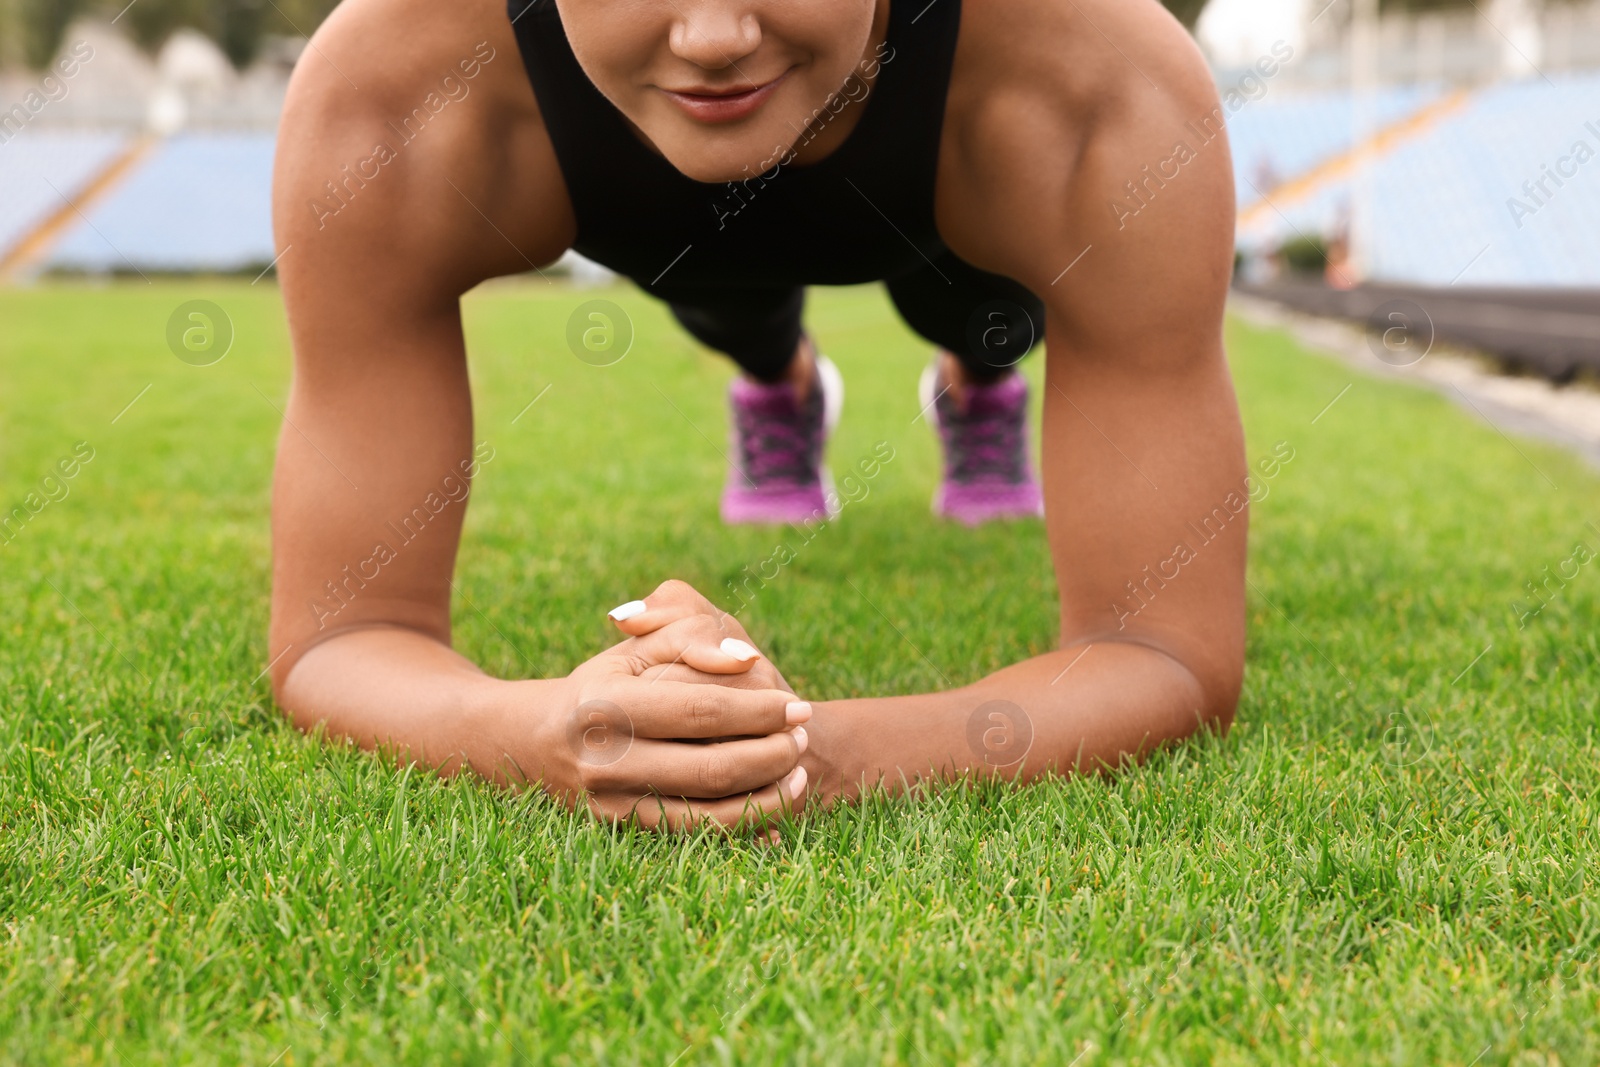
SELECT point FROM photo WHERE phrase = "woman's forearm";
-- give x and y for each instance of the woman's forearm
(1078, 709)
(405, 691)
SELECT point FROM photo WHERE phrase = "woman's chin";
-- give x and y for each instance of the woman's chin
(717, 152)
(703, 160)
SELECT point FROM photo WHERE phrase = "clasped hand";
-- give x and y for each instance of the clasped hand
(684, 723)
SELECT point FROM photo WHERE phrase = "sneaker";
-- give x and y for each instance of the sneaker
(777, 474)
(986, 470)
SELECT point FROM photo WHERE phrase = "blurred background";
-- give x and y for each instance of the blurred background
(1438, 153)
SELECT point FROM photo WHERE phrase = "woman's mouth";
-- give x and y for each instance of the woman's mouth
(729, 104)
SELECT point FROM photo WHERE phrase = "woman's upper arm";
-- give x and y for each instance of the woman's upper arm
(1144, 470)
(377, 238)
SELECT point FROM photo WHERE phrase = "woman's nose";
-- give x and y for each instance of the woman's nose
(714, 34)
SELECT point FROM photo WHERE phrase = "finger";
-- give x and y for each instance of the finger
(713, 771)
(639, 617)
(673, 710)
(753, 811)
(671, 601)
(761, 675)
(697, 641)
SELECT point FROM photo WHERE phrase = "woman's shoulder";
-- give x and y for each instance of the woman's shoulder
(416, 111)
(1073, 62)
(1048, 98)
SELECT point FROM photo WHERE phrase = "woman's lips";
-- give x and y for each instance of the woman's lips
(713, 106)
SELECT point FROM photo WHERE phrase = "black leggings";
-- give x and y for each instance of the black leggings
(987, 321)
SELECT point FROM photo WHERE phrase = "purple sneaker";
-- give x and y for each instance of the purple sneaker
(777, 474)
(986, 470)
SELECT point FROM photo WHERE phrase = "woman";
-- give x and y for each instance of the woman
(1011, 169)
(731, 258)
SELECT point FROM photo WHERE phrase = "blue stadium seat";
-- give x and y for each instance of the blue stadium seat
(198, 202)
(1451, 205)
(33, 161)
(1282, 136)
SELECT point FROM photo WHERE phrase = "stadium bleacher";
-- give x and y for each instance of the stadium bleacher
(1443, 202)
(1450, 206)
(1280, 137)
(198, 202)
(38, 168)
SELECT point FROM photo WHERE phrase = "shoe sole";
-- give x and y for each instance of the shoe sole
(929, 401)
(832, 385)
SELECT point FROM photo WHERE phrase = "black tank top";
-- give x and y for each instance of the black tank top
(863, 213)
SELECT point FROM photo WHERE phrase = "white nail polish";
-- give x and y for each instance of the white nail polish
(628, 610)
(738, 649)
(797, 783)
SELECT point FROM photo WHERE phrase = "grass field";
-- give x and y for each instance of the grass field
(1391, 859)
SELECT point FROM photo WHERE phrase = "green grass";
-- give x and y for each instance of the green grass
(1391, 859)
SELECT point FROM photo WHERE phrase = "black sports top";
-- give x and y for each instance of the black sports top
(863, 213)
